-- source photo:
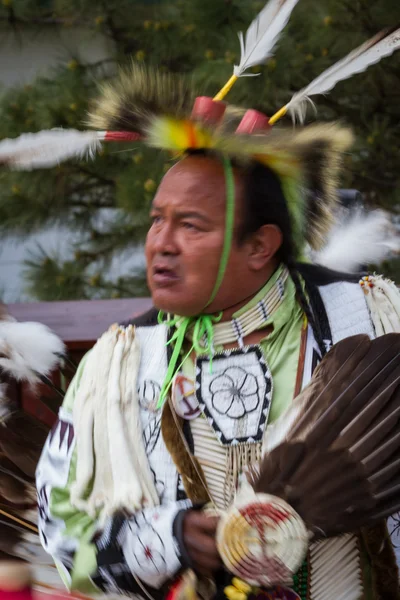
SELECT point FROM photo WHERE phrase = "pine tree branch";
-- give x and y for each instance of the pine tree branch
(105, 180)
(13, 20)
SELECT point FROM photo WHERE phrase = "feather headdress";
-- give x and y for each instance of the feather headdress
(306, 161)
(164, 111)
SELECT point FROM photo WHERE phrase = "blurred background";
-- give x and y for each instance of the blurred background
(77, 231)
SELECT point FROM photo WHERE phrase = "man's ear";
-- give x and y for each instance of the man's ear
(263, 246)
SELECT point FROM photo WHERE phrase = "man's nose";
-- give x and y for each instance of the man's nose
(165, 241)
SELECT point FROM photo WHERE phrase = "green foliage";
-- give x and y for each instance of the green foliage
(106, 202)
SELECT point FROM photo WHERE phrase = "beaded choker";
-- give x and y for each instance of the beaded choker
(241, 325)
(206, 331)
(253, 318)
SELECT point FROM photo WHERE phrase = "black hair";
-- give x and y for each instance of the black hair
(264, 204)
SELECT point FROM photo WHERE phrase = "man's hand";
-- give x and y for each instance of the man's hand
(199, 532)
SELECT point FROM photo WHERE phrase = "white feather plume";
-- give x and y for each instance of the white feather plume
(369, 53)
(28, 349)
(48, 148)
(263, 34)
(363, 239)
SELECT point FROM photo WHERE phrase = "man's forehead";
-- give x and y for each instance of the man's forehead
(185, 180)
(195, 169)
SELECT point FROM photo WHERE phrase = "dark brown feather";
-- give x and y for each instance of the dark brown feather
(339, 463)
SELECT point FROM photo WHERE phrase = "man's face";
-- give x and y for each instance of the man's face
(184, 243)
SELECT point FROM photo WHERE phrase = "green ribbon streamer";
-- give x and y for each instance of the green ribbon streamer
(203, 325)
(229, 223)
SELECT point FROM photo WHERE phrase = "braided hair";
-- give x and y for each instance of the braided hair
(265, 204)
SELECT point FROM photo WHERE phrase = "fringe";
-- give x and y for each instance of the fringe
(111, 460)
(239, 458)
(385, 573)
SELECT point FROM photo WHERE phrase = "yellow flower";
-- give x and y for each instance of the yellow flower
(324, 51)
(149, 185)
(189, 28)
(229, 57)
(256, 69)
(137, 158)
(140, 55)
(73, 65)
(271, 64)
(94, 281)
(209, 54)
(328, 20)
(16, 190)
(73, 106)
(309, 57)
(99, 20)
(147, 24)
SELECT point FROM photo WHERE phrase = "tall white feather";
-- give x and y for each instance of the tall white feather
(365, 238)
(369, 53)
(28, 349)
(263, 34)
(48, 148)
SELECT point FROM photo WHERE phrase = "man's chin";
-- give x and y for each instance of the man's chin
(174, 304)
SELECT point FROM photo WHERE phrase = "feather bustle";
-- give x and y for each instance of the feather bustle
(339, 464)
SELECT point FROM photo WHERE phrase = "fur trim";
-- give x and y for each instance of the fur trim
(138, 95)
(307, 162)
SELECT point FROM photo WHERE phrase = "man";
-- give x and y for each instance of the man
(191, 442)
(167, 412)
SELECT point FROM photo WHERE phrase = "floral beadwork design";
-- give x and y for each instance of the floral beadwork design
(235, 393)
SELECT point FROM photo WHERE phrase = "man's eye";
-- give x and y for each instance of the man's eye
(156, 219)
(188, 225)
